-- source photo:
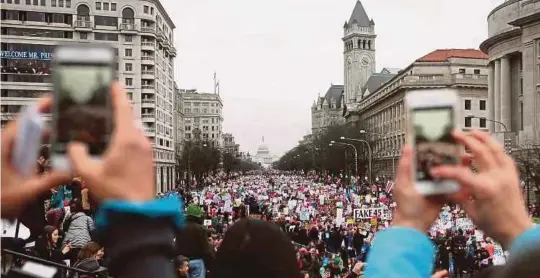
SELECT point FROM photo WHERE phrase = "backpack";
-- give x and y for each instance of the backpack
(67, 222)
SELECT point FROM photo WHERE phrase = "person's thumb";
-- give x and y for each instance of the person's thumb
(440, 274)
(404, 171)
(81, 162)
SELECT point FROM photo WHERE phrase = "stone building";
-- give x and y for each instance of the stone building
(203, 117)
(359, 53)
(230, 146)
(140, 31)
(513, 47)
(381, 113)
(360, 77)
(328, 110)
(179, 125)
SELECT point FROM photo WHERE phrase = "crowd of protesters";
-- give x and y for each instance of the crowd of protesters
(316, 226)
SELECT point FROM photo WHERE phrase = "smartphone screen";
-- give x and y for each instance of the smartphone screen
(83, 110)
(434, 144)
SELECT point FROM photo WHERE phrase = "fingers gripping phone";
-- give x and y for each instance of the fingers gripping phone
(82, 78)
(431, 120)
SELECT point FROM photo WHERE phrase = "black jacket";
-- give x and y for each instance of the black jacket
(139, 246)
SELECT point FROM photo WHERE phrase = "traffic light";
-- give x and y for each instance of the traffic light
(508, 145)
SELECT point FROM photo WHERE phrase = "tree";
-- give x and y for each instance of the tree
(199, 159)
(316, 154)
(528, 161)
(230, 162)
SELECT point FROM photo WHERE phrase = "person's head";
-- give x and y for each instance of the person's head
(181, 264)
(51, 234)
(92, 250)
(254, 248)
(75, 205)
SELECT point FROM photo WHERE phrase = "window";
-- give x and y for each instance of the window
(36, 2)
(462, 71)
(129, 81)
(467, 104)
(521, 116)
(113, 7)
(128, 52)
(145, 9)
(105, 36)
(152, 10)
(476, 71)
(61, 3)
(482, 105)
(98, 6)
(53, 3)
(105, 6)
(128, 67)
(482, 122)
(28, 2)
(106, 21)
(468, 121)
(68, 3)
(128, 38)
(43, 3)
(83, 35)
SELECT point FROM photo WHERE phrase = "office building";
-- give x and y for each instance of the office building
(140, 31)
(203, 118)
(513, 47)
(230, 146)
(381, 113)
(179, 121)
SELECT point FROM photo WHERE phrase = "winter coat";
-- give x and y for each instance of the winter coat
(78, 232)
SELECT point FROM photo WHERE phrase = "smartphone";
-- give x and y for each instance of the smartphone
(82, 111)
(431, 120)
(27, 141)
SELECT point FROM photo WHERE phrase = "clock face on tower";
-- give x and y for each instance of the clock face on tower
(365, 62)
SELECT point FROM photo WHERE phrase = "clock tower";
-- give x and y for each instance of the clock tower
(359, 53)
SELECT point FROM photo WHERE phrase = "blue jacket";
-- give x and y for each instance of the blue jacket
(406, 252)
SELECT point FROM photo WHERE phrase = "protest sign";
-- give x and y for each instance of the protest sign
(368, 213)
(498, 255)
(464, 224)
(207, 222)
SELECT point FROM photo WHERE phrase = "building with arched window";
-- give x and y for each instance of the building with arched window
(141, 31)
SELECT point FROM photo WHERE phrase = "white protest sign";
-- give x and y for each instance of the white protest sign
(207, 222)
(464, 224)
(321, 199)
(498, 255)
(368, 213)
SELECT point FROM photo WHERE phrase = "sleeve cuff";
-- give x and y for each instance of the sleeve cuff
(169, 207)
(400, 252)
(526, 240)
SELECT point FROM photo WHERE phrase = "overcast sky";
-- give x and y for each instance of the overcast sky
(274, 57)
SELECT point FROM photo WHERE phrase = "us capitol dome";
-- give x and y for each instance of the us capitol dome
(263, 155)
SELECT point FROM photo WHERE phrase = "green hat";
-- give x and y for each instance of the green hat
(194, 210)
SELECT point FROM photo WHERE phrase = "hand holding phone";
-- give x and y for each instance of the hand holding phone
(432, 119)
(83, 76)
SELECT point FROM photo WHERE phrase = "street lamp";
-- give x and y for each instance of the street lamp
(369, 152)
(345, 152)
(392, 151)
(355, 154)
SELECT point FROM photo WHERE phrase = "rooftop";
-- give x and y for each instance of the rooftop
(359, 16)
(443, 55)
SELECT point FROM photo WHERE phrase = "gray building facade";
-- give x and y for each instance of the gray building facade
(513, 47)
(140, 31)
